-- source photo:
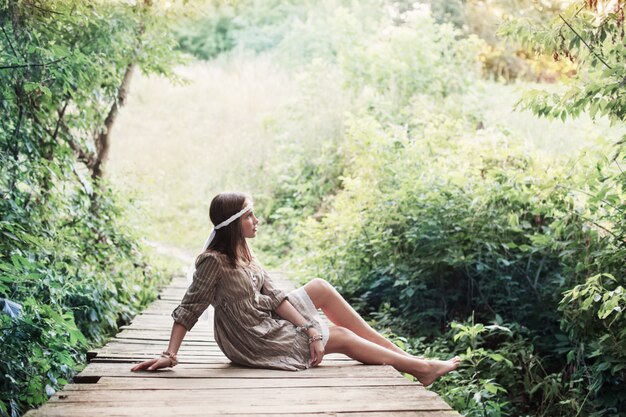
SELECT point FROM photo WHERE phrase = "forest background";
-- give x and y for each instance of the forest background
(454, 168)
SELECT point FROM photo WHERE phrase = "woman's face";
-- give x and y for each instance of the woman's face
(249, 224)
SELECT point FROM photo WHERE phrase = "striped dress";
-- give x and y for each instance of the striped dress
(247, 329)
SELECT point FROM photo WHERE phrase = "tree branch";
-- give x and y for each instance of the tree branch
(43, 9)
(587, 193)
(19, 123)
(31, 64)
(61, 114)
(6, 35)
(585, 42)
(102, 139)
(615, 236)
(82, 156)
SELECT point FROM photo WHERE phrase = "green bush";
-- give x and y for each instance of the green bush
(249, 24)
(76, 273)
(430, 229)
(208, 37)
(593, 317)
(438, 236)
(502, 373)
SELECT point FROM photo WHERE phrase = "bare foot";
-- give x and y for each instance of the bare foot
(436, 369)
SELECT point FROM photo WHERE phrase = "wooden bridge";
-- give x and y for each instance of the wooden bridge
(205, 383)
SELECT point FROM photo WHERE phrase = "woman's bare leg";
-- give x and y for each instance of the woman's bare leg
(337, 309)
(344, 341)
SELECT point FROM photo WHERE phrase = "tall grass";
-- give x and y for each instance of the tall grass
(176, 146)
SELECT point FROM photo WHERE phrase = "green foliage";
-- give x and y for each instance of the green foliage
(501, 373)
(437, 239)
(475, 394)
(77, 275)
(41, 350)
(250, 24)
(412, 57)
(207, 37)
(65, 253)
(427, 229)
(591, 37)
(296, 31)
(591, 34)
(594, 318)
(503, 60)
(300, 191)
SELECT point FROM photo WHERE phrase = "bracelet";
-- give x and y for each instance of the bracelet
(306, 326)
(171, 356)
(315, 338)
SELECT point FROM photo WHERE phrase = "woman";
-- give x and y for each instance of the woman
(259, 325)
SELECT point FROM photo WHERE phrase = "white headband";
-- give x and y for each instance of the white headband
(226, 222)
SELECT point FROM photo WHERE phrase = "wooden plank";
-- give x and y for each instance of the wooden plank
(257, 393)
(160, 338)
(147, 342)
(287, 400)
(210, 357)
(157, 348)
(208, 411)
(135, 360)
(151, 349)
(174, 407)
(231, 371)
(127, 342)
(119, 383)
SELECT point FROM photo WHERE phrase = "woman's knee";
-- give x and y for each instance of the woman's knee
(318, 290)
(321, 283)
(340, 338)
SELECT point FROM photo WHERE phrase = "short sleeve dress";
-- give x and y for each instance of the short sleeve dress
(247, 329)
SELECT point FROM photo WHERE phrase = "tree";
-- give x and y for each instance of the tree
(66, 68)
(591, 34)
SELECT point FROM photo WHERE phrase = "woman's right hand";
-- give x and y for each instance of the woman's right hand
(152, 364)
(317, 352)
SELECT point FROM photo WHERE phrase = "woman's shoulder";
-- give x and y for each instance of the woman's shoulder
(256, 266)
(211, 257)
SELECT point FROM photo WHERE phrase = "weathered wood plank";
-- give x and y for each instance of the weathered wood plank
(287, 400)
(142, 347)
(120, 383)
(158, 411)
(260, 394)
(127, 342)
(187, 357)
(230, 371)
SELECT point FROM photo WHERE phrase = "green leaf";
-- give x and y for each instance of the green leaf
(491, 388)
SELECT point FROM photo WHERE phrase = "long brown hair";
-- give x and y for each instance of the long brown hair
(229, 240)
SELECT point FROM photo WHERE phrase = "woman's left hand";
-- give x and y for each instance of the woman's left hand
(317, 352)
